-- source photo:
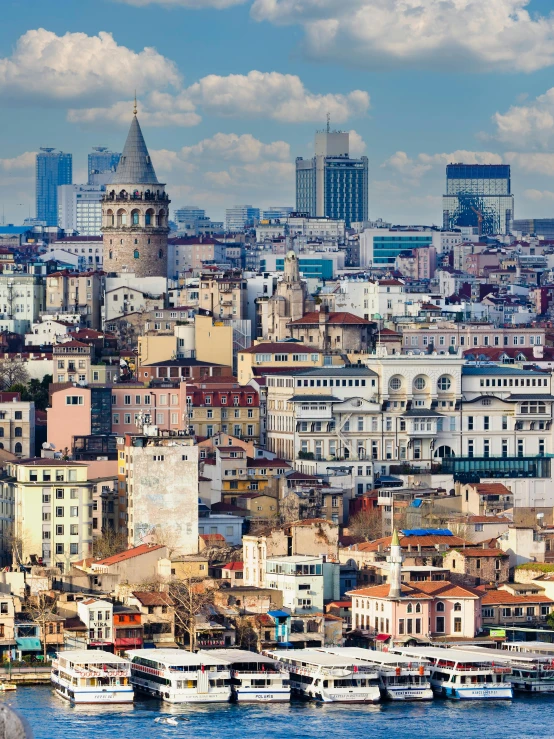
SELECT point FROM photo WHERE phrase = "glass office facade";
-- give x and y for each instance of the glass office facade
(53, 168)
(387, 248)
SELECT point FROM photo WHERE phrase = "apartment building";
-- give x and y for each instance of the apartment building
(224, 296)
(52, 520)
(160, 474)
(446, 336)
(76, 293)
(226, 408)
(17, 425)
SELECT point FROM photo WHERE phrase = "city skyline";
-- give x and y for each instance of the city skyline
(226, 127)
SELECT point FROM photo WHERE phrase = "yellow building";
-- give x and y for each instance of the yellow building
(280, 355)
(52, 511)
(213, 340)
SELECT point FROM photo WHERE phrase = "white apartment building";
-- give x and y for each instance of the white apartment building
(89, 251)
(22, 298)
(300, 579)
(97, 615)
(408, 413)
(324, 228)
(372, 298)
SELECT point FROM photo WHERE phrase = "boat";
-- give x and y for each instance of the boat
(92, 676)
(176, 676)
(254, 677)
(532, 672)
(8, 686)
(321, 676)
(400, 678)
(463, 674)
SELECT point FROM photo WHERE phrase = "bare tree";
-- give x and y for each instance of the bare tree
(366, 525)
(246, 635)
(40, 611)
(190, 599)
(108, 544)
(13, 372)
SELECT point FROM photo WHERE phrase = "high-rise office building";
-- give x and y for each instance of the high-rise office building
(480, 196)
(53, 168)
(277, 213)
(80, 209)
(241, 217)
(332, 184)
(188, 213)
(102, 164)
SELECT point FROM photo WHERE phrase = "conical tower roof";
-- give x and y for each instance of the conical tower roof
(135, 166)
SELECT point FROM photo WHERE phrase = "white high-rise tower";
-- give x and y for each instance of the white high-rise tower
(395, 561)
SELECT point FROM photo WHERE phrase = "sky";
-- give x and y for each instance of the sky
(231, 92)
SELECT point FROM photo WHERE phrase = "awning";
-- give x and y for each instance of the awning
(382, 637)
(278, 614)
(29, 644)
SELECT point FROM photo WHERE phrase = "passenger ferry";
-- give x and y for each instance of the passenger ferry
(531, 672)
(462, 674)
(255, 678)
(91, 676)
(400, 678)
(177, 676)
(325, 677)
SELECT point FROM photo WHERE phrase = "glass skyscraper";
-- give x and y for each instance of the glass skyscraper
(101, 161)
(331, 184)
(479, 196)
(53, 168)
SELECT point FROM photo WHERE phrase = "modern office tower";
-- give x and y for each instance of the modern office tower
(277, 212)
(80, 209)
(332, 184)
(478, 195)
(241, 217)
(53, 168)
(188, 213)
(534, 227)
(102, 164)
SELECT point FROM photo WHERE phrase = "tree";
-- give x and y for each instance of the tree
(41, 613)
(35, 390)
(190, 599)
(366, 525)
(108, 544)
(13, 371)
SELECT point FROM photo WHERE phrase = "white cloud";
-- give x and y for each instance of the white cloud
(357, 145)
(22, 162)
(414, 168)
(281, 97)
(468, 34)
(533, 162)
(538, 195)
(533, 123)
(215, 167)
(75, 67)
(192, 4)
(155, 109)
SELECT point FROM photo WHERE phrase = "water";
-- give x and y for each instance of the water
(528, 717)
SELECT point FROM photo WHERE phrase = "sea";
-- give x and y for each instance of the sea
(50, 717)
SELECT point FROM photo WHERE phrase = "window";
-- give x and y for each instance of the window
(470, 423)
(419, 383)
(395, 383)
(59, 548)
(444, 383)
(59, 511)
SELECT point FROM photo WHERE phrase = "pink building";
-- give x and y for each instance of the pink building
(475, 264)
(422, 609)
(418, 264)
(166, 405)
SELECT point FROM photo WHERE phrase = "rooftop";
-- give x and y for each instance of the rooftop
(129, 554)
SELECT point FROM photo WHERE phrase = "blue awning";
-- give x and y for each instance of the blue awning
(278, 614)
(29, 644)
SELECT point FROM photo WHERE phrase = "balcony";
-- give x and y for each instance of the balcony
(308, 411)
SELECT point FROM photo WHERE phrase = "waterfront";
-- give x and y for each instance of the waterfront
(52, 718)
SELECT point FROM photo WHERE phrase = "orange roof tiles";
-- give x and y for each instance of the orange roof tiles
(478, 552)
(501, 597)
(129, 554)
(491, 488)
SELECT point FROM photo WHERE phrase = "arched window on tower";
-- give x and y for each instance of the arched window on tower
(110, 218)
(136, 254)
(121, 217)
(149, 217)
(161, 254)
(111, 254)
(18, 449)
(135, 218)
(161, 218)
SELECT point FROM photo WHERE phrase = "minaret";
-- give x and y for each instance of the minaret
(395, 561)
(135, 212)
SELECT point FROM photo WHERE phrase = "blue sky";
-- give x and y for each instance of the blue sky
(231, 91)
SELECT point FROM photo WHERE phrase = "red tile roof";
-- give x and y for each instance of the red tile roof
(430, 541)
(129, 554)
(478, 553)
(234, 566)
(488, 519)
(421, 591)
(333, 318)
(212, 537)
(491, 488)
(501, 597)
(153, 599)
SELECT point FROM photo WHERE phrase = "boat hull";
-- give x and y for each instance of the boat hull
(475, 693)
(409, 694)
(180, 697)
(244, 695)
(331, 696)
(122, 694)
(533, 687)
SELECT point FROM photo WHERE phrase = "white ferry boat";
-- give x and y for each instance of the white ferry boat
(328, 678)
(462, 674)
(254, 677)
(177, 676)
(531, 672)
(400, 678)
(91, 676)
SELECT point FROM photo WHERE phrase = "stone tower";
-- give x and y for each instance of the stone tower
(135, 212)
(290, 301)
(395, 562)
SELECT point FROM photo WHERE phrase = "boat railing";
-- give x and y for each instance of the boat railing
(472, 667)
(270, 673)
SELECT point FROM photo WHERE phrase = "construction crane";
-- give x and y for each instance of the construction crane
(479, 220)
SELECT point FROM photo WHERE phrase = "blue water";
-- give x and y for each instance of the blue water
(52, 718)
